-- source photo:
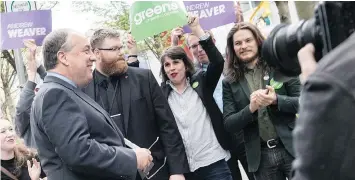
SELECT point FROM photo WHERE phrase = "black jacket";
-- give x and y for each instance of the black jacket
(237, 115)
(147, 115)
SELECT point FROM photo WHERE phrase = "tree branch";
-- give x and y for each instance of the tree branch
(55, 3)
(151, 48)
(11, 60)
(12, 79)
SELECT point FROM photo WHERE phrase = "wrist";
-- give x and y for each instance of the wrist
(275, 100)
(252, 110)
(31, 77)
(198, 31)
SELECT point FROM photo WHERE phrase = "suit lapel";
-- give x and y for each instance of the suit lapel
(91, 101)
(244, 84)
(86, 98)
(126, 98)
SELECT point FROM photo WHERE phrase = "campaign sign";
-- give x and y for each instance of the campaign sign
(148, 18)
(212, 14)
(18, 26)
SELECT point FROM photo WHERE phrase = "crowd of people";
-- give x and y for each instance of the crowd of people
(81, 123)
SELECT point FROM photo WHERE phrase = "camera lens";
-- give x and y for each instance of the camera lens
(282, 45)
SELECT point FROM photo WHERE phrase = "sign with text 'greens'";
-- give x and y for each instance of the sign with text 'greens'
(148, 18)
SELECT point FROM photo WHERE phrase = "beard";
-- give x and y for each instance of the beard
(247, 61)
(115, 68)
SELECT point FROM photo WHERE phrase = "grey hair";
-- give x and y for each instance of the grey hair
(55, 41)
(100, 35)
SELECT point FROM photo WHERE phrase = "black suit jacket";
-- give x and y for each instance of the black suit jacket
(237, 115)
(76, 138)
(324, 135)
(207, 82)
(147, 115)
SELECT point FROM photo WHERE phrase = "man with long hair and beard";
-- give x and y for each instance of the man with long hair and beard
(137, 105)
(260, 106)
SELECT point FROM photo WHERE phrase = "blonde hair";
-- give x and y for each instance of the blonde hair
(22, 153)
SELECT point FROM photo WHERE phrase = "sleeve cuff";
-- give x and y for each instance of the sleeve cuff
(41, 71)
(30, 85)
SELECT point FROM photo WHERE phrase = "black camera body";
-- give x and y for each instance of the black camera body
(333, 22)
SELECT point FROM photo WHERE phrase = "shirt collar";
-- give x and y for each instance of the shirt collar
(204, 66)
(101, 79)
(174, 88)
(57, 75)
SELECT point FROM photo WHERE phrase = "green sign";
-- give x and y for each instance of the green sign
(148, 18)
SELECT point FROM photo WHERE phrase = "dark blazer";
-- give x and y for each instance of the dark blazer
(324, 134)
(207, 82)
(23, 109)
(76, 138)
(237, 115)
(147, 115)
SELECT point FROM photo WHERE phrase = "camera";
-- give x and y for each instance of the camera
(333, 22)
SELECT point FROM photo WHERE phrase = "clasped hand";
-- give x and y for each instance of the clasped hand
(262, 98)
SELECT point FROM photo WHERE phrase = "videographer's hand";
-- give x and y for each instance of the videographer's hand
(144, 158)
(307, 61)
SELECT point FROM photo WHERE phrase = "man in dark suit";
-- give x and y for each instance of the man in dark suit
(134, 99)
(324, 133)
(255, 103)
(23, 106)
(75, 137)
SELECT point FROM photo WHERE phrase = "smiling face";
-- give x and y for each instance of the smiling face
(7, 136)
(245, 45)
(78, 60)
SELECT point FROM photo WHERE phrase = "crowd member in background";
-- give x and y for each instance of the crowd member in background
(17, 161)
(137, 105)
(190, 96)
(75, 137)
(199, 55)
(264, 109)
(23, 106)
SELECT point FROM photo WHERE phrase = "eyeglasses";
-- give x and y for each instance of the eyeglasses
(111, 49)
(146, 172)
